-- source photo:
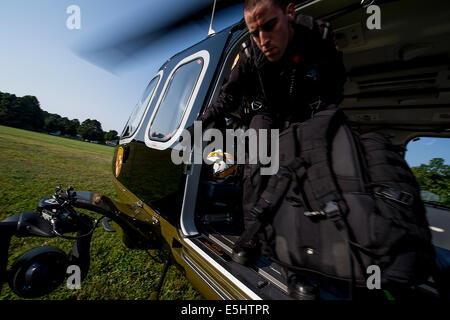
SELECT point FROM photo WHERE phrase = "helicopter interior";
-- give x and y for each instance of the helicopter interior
(398, 82)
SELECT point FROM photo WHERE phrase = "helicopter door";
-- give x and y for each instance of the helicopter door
(181, 94)
(215, 47)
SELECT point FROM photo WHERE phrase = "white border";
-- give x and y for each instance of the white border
(130, 138)
(164, 145)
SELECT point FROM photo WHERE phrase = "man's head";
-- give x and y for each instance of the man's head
(270, 25)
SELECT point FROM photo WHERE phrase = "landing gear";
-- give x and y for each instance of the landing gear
(155, 294)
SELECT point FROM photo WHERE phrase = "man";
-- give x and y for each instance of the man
(289, 69)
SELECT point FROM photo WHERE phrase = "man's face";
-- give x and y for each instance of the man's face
(270, 28)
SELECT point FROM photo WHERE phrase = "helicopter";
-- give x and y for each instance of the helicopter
(397, 83)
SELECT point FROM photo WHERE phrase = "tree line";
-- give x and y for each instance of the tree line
(434, 181)
(26, 113)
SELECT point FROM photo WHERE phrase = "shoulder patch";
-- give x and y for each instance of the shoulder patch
(235, 61)
(245, 48)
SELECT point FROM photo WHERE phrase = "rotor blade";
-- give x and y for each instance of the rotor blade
(117, 44)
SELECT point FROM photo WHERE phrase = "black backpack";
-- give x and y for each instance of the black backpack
(342, 202)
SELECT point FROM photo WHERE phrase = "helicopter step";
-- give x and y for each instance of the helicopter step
(249, 276)
(218, 240)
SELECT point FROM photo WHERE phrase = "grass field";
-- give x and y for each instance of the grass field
(31, 166)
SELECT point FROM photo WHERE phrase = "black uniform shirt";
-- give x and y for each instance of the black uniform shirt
(310, 74)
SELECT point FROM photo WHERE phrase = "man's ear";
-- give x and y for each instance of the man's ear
(290, 11)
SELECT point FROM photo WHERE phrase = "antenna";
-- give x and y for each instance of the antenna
(211, 31)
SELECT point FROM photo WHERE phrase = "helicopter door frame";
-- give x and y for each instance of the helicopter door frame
(187, 217)
(204, 54)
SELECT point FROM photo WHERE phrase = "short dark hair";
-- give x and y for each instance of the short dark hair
(250, 4)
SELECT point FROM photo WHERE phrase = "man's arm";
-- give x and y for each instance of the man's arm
(231, 92)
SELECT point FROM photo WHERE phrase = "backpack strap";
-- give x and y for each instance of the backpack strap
(291, 166)
(324, 195)
(315, 136)
(323, 27)
(270, 199)
(304, 20)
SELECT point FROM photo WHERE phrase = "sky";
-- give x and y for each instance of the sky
(425, 149)
(39, 56)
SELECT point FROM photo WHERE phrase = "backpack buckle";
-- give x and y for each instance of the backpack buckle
(401, 197)
(314, 213)
(315, 106)
(256, 105)
(330, 211)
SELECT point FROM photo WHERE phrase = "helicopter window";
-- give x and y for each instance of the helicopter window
(138, 112)
(175, 100)
(428, 158)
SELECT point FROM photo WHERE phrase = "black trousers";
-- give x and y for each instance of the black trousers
(253, 182)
